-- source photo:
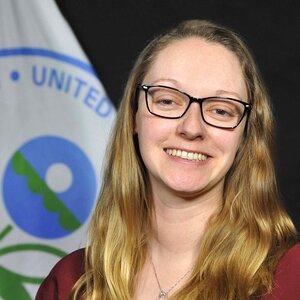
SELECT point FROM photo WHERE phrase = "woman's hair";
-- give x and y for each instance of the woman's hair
(242, 243)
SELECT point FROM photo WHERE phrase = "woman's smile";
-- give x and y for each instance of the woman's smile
(187, 155)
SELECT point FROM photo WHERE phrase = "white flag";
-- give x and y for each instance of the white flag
(55, 119)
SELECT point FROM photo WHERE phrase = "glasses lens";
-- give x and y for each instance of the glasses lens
(166, 102)
(222, 112)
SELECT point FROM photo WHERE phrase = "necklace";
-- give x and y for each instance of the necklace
(164, 294)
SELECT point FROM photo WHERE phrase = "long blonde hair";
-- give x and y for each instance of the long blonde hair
(242, 244)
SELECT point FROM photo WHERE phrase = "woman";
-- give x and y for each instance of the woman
(189, 207)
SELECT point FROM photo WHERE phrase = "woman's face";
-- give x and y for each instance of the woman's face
(201, 69)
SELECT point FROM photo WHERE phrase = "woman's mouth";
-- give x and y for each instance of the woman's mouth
(187, 155)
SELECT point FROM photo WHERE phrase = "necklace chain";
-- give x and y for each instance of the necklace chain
(162, 293)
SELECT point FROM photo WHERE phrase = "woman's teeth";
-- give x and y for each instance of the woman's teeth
(187, 155)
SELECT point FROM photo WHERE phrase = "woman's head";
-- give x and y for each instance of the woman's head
(259, 125)
(173, 134)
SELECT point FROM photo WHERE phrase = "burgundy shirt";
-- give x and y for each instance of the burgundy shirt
(58, 284)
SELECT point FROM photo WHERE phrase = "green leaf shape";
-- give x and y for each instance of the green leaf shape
(37, 186)
(5, 231)
(11, 287)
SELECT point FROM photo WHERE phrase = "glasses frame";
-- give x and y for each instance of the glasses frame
(146, 87)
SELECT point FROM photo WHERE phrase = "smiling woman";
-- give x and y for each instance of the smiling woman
(192, 65)
(189, 207)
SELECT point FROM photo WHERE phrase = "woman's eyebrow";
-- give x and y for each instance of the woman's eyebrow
(234, 94)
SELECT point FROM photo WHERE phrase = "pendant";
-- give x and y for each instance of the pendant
(162, 295)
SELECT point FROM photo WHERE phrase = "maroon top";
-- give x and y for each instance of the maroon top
(58, 284)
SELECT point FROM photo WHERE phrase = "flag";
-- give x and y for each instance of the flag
(55, 120)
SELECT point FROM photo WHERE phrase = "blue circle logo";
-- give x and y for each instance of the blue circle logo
(49, 187)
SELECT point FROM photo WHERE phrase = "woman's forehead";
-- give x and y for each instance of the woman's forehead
(199, 66)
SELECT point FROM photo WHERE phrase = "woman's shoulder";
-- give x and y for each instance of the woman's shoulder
(291, 257)
(61, 279)
(287, 276)
(289, 265)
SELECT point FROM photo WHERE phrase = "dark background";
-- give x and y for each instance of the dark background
(113, 32)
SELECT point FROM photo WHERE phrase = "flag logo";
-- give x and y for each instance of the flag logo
(33, 186)
(56, 121)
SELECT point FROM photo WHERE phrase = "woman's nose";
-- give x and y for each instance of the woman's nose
(192, 125)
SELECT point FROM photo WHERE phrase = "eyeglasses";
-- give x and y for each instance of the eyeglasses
(170, 103)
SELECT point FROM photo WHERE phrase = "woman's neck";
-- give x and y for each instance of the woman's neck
(178, 225)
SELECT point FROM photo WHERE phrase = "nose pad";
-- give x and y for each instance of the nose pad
(192, 124)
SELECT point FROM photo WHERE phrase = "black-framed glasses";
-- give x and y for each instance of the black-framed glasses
(171, 103)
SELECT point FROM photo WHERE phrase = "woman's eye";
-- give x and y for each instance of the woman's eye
(221, 109)
(165, 101)
(222, 112)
